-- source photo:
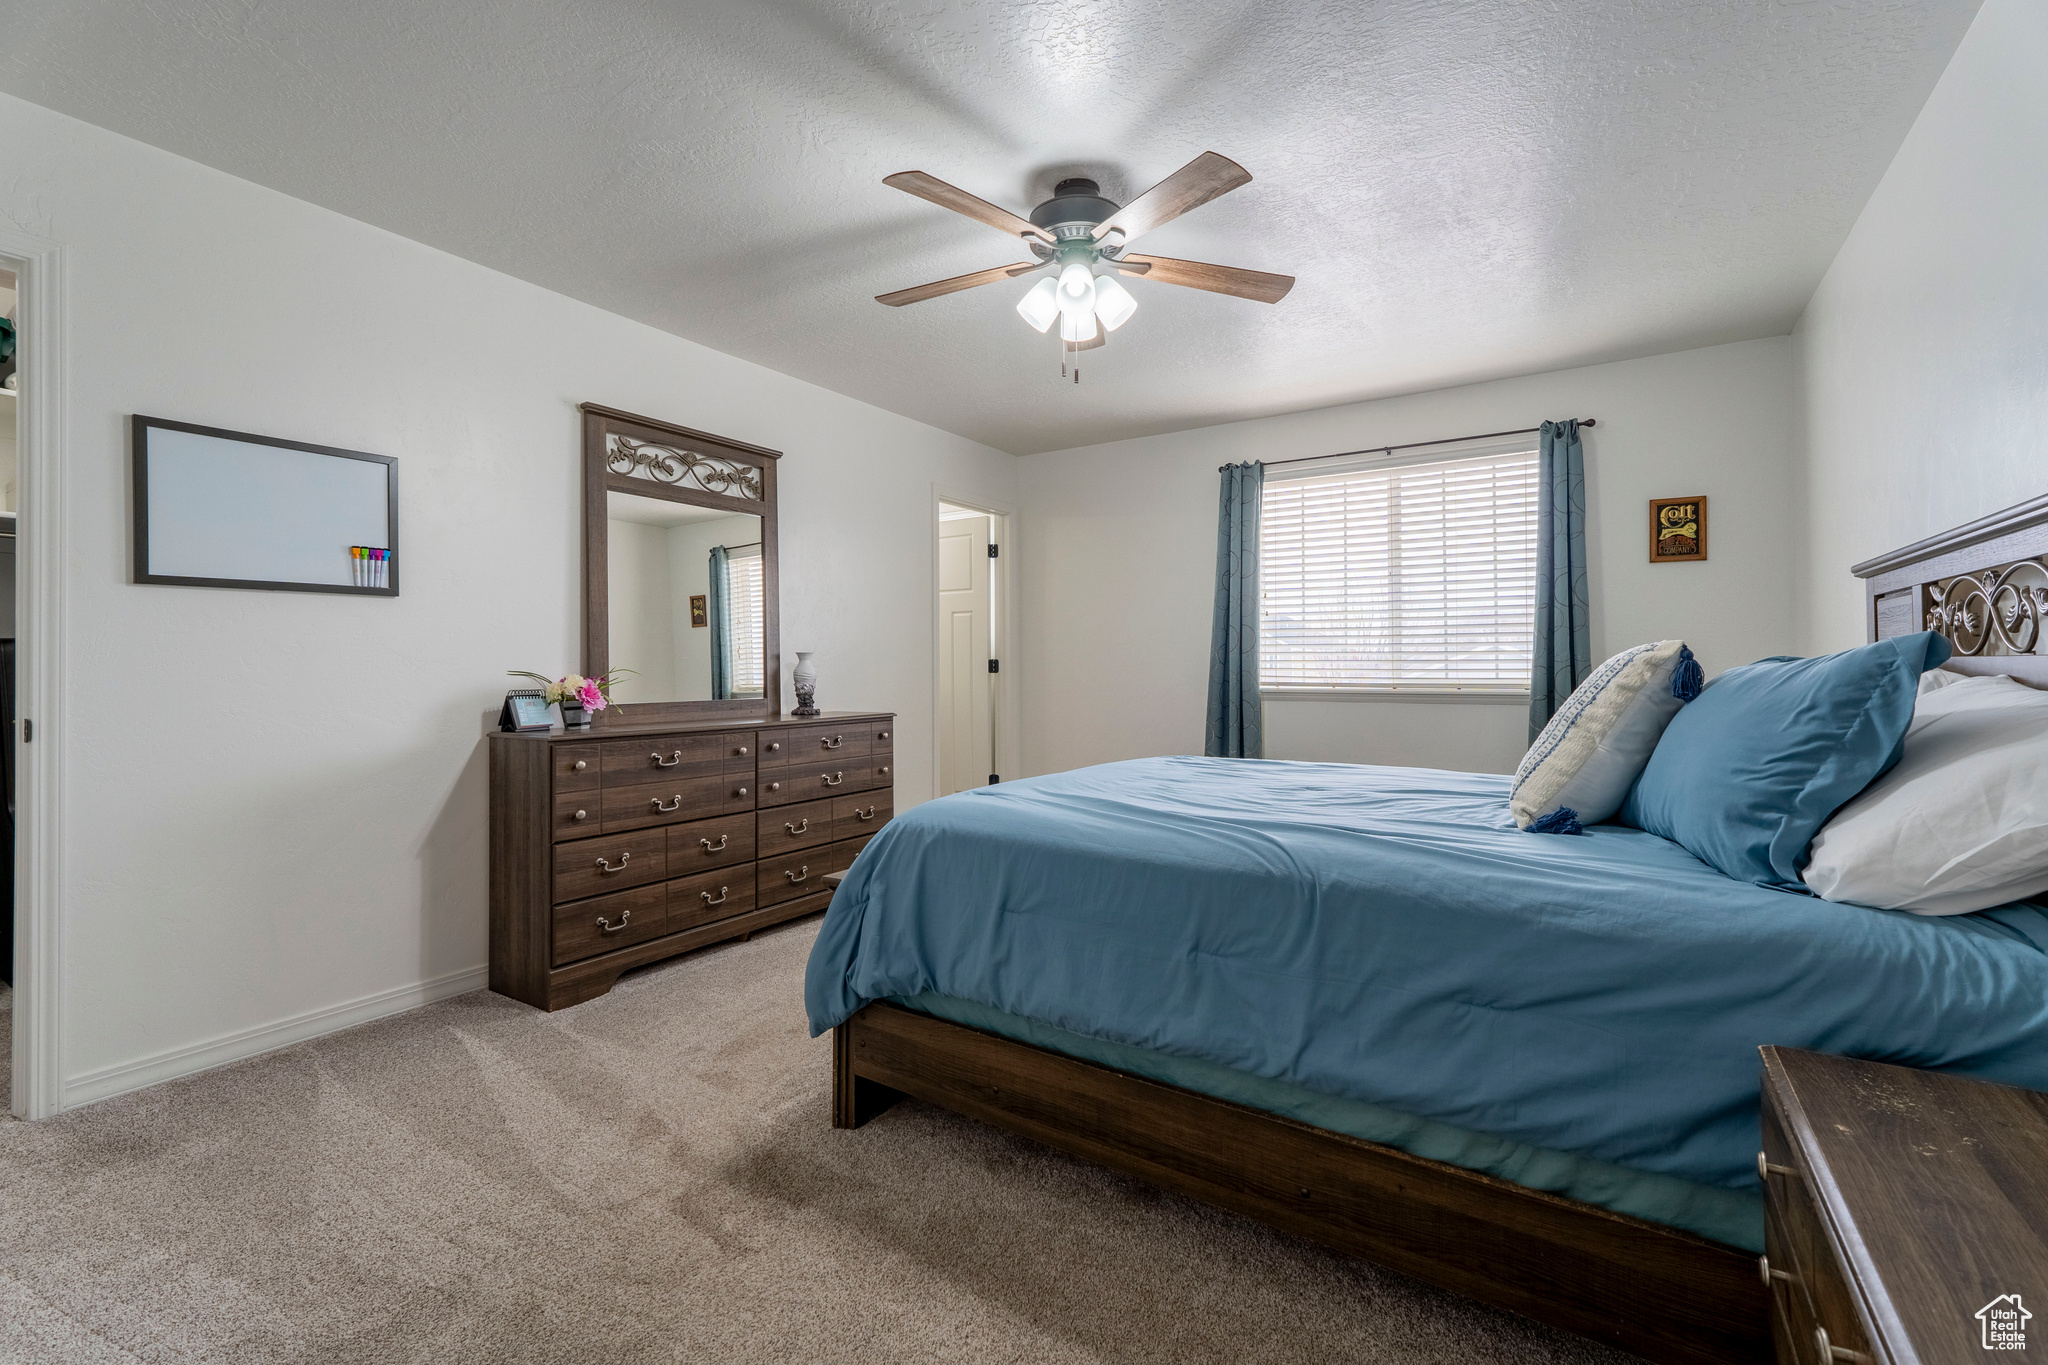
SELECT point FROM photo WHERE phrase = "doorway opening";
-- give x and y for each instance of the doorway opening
(9, 481)
(970, 629)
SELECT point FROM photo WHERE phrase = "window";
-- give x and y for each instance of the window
(1413, 576)
(745, 594)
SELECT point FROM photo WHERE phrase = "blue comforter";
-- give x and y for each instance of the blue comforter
(1388, 935)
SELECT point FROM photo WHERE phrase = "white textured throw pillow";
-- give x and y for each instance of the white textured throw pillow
(1961, 823)
(1580, 768)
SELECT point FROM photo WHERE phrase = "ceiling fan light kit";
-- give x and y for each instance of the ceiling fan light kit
(1075, 232)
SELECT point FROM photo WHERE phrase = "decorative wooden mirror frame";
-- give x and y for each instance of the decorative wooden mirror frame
(653, 459)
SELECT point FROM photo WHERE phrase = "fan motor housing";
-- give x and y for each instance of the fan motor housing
(1075, 208)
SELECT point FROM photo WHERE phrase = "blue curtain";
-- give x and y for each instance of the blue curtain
(718, 615)
(1236, 722)
(1564, 618)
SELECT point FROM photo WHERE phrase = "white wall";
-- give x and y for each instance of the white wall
(640, 612)
(275, 802)
(1926, 347)
(1123, 673)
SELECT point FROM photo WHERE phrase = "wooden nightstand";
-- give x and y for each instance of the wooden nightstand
(1907, 1218)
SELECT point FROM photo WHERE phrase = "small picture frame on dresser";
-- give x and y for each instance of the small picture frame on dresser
(525, 710)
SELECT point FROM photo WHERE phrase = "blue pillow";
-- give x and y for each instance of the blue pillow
(1745, 776)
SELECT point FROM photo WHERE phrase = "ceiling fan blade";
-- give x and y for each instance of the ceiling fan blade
(919, 293)
(1190, 187)
(946, 196)
(1217, 279)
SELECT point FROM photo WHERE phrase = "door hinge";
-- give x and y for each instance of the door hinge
(995, 665)
(991, 549)
(28, 730)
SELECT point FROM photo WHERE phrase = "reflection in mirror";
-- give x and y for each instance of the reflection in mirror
(684, 595)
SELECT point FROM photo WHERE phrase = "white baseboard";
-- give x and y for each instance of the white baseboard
(109, 1081)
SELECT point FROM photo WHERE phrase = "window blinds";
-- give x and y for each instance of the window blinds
(1415, 576)
(743, 572)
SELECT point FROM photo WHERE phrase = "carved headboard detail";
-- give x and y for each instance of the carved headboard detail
(1984, 586)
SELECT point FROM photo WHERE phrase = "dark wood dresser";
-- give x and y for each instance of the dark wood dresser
(613, 847)
(1907, 1218)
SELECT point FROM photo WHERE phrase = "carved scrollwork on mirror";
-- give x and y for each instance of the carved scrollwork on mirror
(680, 466)
(680, 580)
(1993, 612)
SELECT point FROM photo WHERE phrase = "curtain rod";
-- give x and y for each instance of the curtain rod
(1414, 445)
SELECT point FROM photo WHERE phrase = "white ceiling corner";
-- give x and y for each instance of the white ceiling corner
(1463, 190)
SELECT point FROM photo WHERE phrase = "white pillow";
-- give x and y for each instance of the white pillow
(1580, 768)
(1961, 823)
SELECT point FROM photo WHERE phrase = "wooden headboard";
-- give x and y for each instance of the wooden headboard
(1984, 586)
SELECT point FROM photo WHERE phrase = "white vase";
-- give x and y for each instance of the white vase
(806, 679)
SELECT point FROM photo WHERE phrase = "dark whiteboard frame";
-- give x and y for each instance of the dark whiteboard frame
(139, 429)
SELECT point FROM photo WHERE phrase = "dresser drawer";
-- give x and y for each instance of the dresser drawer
(592, 867)
(817, 744)
(665, 758)
(587, 928)
(1816, 1295)
(710, 843)
(881, 738)
(710, 896)
(861, 814)
(671, 803)
(578, 814)
(576, 767)
(846, 850)
(811, 782)
(789, 875)
(788, 828)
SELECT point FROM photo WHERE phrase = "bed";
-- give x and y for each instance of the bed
(1360, 1004)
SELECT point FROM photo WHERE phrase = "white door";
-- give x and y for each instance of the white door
(965, 624)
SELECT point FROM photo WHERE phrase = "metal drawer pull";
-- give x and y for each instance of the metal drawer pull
(772, 748)
(707, 896)
(834, 742)
(1765, 1169)
(1830, 1352)
(624, 858)
(797, 829)
(834, 780)
(655, 801)
(867, 814)
(884, 736)
(802, 874)
(881, 772)
(1763, 1266)
(671, 761)
(739, 791)
(580, 766)
(742, 751)
(710, 847)
(611, 928)
(579, 815)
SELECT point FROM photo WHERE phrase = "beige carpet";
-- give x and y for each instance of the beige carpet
(647, 1177)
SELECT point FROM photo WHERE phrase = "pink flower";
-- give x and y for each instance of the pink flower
(592, 699)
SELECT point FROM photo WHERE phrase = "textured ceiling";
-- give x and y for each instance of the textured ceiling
(1464, 190)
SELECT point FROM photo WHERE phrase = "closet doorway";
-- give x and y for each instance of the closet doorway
(970, 628)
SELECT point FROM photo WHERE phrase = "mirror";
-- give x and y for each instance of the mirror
(679, 572)
(685, 592)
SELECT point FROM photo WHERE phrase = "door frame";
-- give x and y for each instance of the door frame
(41, 440)
(1002, 634)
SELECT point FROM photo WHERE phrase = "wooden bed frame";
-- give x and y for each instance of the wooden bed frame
(1664, 1294)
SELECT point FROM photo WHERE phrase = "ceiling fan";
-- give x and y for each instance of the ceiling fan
(1076, 231)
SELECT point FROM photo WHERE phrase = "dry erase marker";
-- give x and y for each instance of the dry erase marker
(355, 564)
(378, 571)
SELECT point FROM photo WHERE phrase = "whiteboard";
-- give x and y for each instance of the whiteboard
(229, 510)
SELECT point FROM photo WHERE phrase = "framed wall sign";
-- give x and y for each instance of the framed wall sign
(225, 509)
(698, 615)
(1678, 530)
